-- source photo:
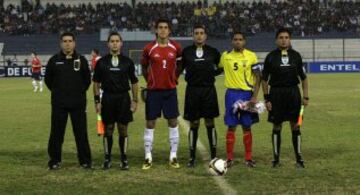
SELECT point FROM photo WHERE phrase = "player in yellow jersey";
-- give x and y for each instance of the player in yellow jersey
(242, 80)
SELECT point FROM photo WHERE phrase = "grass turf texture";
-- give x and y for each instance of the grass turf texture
(330, 149)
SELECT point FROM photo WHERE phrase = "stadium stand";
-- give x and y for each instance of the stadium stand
(306, 18)
(27, 25)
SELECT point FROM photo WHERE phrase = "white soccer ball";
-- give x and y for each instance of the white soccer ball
(217, 167)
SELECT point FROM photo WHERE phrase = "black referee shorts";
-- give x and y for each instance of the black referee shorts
(286, 104)
(200, 102)
(116, 108)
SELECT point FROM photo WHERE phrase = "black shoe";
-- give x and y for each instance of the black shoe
(250, 163)
(229, 163)
(54, 166)
(86, 166)
(275, 164)
(191, 163)
(124, 165)
(300, 164)
(106, 165)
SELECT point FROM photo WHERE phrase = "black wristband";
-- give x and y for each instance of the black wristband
(97, 99)
(266, 97)
(306, 98)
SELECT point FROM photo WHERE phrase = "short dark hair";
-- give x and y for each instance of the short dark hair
(114, 33)
(283, 30)
(96, 51)
(196, 26)
(67, 34)
(238, 33)
(162, 20)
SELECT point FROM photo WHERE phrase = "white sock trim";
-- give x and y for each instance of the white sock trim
(148, 142)
(174, 139)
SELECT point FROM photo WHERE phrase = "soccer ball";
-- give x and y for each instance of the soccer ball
(217, 167)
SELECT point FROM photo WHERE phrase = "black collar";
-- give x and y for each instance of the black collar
(195, 46)
(63, 56)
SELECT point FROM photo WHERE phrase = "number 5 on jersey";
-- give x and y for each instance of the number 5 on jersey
(236, 67)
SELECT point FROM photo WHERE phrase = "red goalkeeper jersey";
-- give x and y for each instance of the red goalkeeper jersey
(34, 65)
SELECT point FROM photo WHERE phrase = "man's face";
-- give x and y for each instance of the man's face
(238, 42)
(67, 44)
(115, 44)
(199, 36)
(163, 30)
(283, 40)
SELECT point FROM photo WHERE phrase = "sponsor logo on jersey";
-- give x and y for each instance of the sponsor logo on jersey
(114, 69)
(171, 55)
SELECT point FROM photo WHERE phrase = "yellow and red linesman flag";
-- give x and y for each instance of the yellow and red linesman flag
(301, 115)
(99, 125)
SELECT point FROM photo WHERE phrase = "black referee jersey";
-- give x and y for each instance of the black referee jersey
(68, 85)
(201, 65)
(283, 68)
(114, 75)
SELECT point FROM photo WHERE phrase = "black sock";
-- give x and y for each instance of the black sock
(296, 139)
(276, 141)
(212, 137)
(107, 143)
(123, 142)
(193, 136)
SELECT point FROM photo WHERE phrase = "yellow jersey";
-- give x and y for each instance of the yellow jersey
(239, 69)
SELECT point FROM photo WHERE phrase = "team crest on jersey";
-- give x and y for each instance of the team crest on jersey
(199, 53)
(244, 62)
(285, 61)
(156, 55)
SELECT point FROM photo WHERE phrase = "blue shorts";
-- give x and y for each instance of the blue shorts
(244, 118)
(161, 100)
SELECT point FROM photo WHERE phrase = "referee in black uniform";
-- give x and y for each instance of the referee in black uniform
(113, 73)
(68, 78)
(283, 68)
(200, 62)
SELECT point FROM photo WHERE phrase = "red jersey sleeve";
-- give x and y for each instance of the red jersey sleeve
(178, 51)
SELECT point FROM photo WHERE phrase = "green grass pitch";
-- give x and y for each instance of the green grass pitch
(331, 149)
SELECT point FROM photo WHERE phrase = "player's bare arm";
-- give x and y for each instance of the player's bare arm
(265, 88)
(134, 91)
(256, 90)
(96, 90)
(305, 87)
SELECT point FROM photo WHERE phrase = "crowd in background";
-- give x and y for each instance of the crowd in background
(304, 17)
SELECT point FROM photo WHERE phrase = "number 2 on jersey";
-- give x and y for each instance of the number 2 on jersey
(164, 64)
